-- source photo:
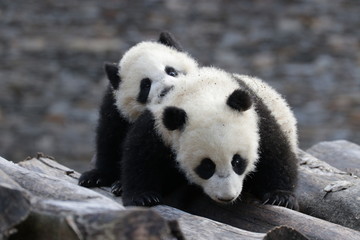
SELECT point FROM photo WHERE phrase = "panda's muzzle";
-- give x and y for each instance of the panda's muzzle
(165, 91)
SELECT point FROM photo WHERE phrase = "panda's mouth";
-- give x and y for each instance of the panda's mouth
(165, 91)
(225, 200)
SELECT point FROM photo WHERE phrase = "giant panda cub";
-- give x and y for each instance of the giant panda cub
(223, 133)
(145, 74)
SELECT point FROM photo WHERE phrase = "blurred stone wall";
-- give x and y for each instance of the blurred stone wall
(52, 53)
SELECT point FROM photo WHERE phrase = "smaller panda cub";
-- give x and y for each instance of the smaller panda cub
(145, 74)
(213, 131)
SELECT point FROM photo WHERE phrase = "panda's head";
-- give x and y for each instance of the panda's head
(214, 132)
(146, 73)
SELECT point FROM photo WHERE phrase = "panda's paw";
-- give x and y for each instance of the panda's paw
(143, 200)
(97, 178)
(116, 188)
(281, 198)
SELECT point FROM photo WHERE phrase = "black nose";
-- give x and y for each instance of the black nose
(165, 91)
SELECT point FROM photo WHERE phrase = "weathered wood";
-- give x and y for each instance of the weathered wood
(125, 224)
(262, 218)
(60, 209)
(45, 165)
(195, 227)
(342, 154)
(245, 216)
(68, 211)
(328, 193)
(67, 221)
(14, 205)
(54, 193)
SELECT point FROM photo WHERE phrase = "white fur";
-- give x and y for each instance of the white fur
(213, 130)
(148, 60)
(277, 106)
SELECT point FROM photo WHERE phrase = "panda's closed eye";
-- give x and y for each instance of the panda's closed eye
(206, 168)
(171, 71)
(239, 164)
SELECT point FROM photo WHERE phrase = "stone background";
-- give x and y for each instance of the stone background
(52, 53)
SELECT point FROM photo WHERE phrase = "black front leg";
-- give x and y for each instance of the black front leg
(110, 134)
(275, 177)
(144, 162)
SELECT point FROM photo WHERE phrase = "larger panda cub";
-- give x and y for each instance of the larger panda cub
(219, 132)
(145, 74)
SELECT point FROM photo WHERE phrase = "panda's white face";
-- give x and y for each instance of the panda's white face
(219, 154)
(147, 72)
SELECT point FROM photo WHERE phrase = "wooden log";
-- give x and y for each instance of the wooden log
(195, 227)
(60, 209)
(63, 210)
(262, 218)
(328, 193)
(53, 193)
(245, 216)
(46, 165)
(14, 205)
(68, 211)
(341, 154)
(125, 224)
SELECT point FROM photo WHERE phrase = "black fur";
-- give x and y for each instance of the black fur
(167, 39)
(112, 73)
(276, 172)
(149, 170)
(174, 118)
(110, 132)
(239, 100)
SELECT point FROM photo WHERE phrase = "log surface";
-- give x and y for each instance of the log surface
(41, 192)
(328, 193)
(68, 211)
(341, 154)
(14, 204)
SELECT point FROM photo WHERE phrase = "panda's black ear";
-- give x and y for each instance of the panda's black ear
(239, 100)
(168, 40)
(174, 118)
(112, 73)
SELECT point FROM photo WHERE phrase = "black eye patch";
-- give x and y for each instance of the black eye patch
(239, 164)
(145, 86)
(206, 168)
(171, 71)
